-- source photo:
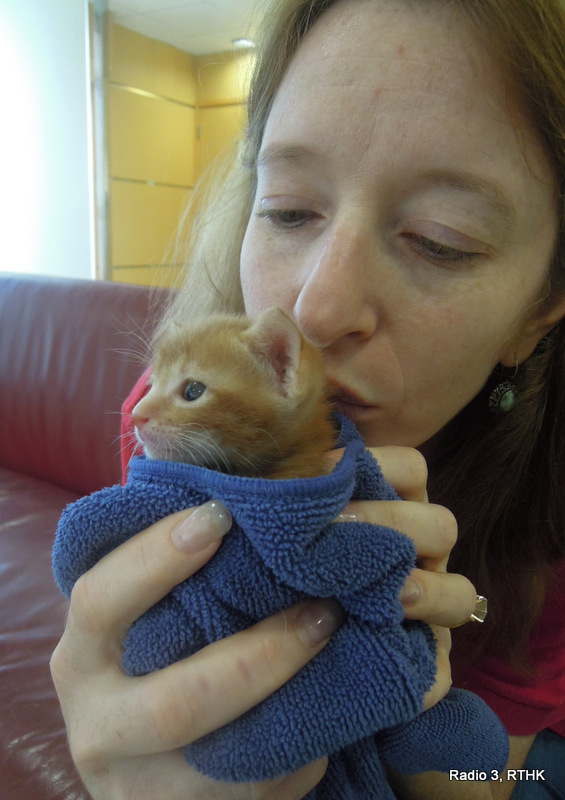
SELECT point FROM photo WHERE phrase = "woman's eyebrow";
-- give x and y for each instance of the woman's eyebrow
(485, 189)
(295, 154)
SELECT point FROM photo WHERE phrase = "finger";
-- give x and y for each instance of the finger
(297, 785)
(133, 577)
(432, 528)
(168, 776)
(290, 787)
(438, 598)
(403, 467)
(224, 680)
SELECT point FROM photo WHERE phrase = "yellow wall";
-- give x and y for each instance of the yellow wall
(169, 115)
(220, 113)
(136, 60)
(151, 139)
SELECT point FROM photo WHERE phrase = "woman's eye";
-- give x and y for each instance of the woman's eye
(287, 217)
(193, 390)
(436, 251)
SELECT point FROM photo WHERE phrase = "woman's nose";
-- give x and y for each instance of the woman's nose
(336, 299)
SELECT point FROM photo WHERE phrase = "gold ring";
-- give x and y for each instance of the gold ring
(479, 612)
(481, 609)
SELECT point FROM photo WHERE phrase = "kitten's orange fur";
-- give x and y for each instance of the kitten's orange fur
(264, 411)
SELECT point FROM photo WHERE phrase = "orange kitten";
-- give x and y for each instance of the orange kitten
(244, 397)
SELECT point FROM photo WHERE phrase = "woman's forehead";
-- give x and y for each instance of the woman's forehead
(388, 81)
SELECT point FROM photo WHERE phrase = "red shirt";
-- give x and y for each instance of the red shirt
(525, 705)
(128, 440)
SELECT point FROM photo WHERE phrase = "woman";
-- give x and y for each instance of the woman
(399, 193)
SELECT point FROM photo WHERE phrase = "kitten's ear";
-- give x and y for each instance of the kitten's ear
(275, 339)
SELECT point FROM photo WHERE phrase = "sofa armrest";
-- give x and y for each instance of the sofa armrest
(35, 762)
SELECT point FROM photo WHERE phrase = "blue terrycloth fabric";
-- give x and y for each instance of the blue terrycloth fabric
(284, 547)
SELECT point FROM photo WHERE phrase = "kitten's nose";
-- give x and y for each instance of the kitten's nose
(138, 421)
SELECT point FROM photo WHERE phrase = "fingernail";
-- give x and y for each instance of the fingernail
(319, 620)
(410, 593)
(206, 524)
(349, 516)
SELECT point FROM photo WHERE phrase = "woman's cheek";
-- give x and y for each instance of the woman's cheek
(266, 278)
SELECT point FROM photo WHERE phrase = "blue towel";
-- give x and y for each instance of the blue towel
(284, 547)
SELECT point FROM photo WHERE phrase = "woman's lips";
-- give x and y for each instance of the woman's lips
(350, 404)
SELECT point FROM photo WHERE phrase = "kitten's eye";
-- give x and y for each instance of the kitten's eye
(193, 390)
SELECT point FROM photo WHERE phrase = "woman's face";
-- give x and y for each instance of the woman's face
(405, 215)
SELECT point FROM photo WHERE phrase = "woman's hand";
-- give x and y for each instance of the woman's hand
(430, 593)
(126, 733)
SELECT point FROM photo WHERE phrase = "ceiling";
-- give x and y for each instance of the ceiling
(197, 26)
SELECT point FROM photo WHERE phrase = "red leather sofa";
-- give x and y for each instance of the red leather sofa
(67, 361)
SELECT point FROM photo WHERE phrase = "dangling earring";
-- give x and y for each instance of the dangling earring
(503, 396)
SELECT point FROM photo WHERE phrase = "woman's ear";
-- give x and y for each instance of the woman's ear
(523, 345)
